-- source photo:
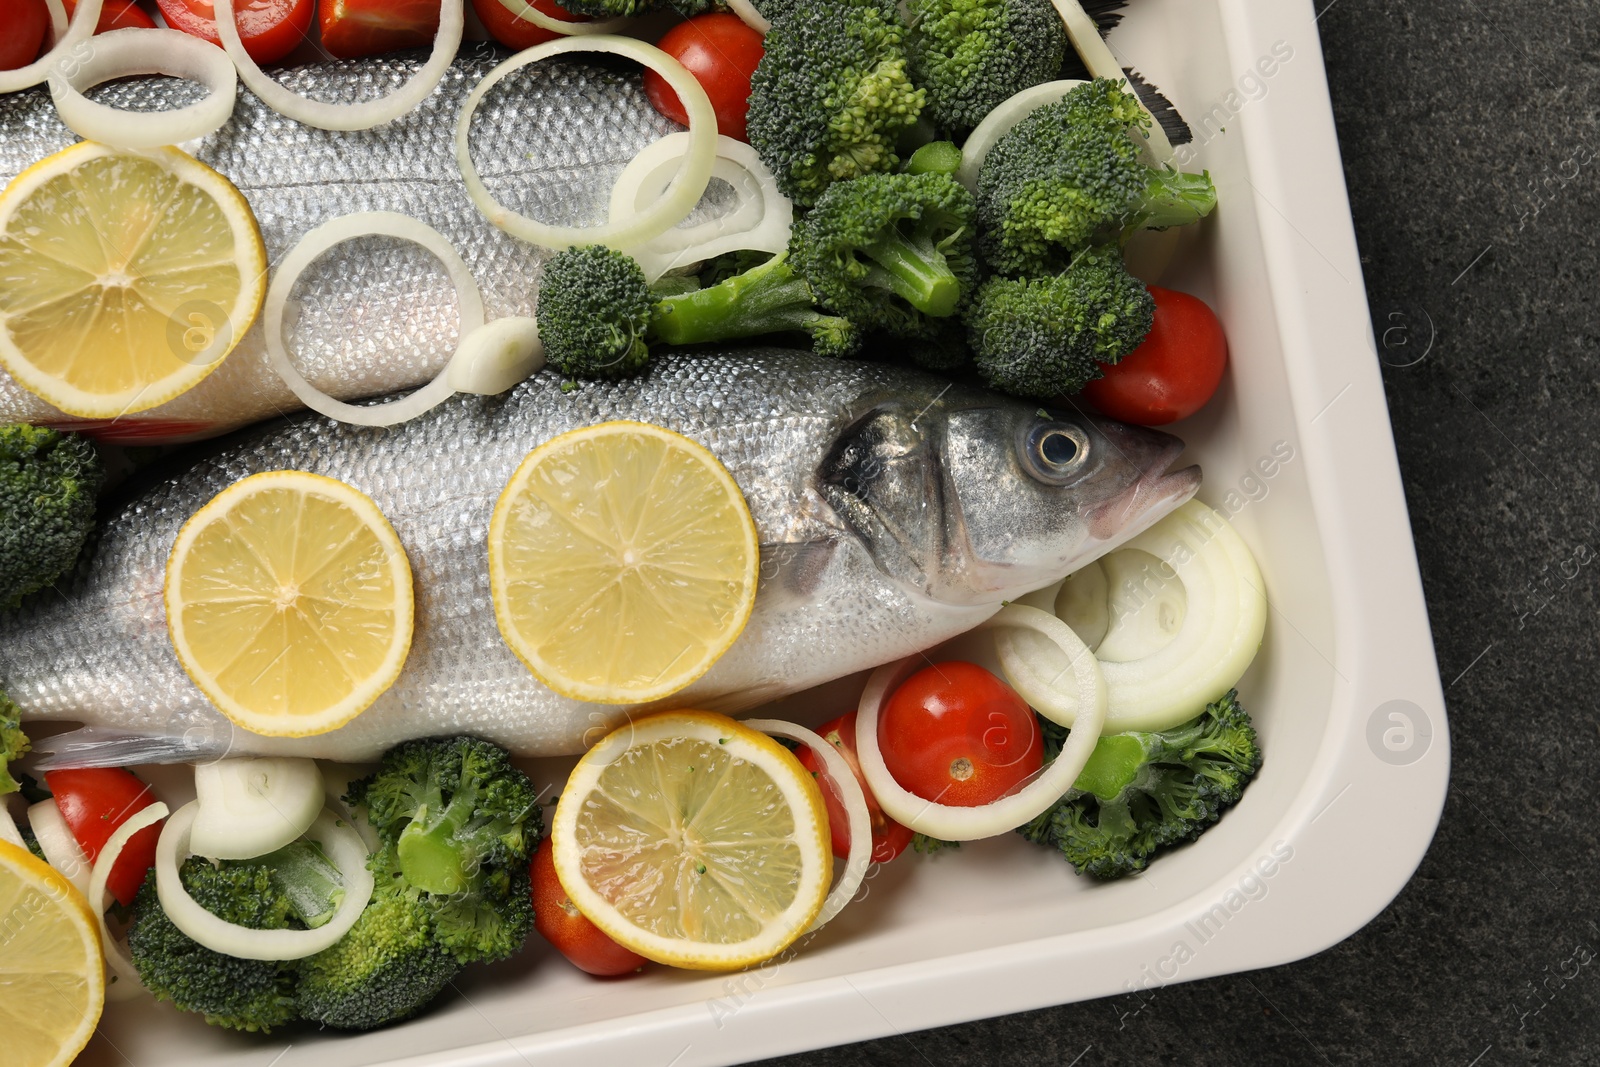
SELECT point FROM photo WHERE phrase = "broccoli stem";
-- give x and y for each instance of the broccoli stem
(1175, 198)
(916, 272)
(770, 298)
(307, 879)
(430, 857)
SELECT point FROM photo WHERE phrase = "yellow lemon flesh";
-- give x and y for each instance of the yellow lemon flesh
(693, 840)
(623, 562)
(125, 277)
(52, 980)
(289, 602)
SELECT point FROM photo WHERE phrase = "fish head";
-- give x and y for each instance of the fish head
(977, 500)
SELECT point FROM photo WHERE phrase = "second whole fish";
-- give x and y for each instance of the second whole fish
(895, 511)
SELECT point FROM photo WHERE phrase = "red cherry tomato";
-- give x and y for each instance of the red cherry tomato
(721, 52)
(1175, 371)
(956, 734)
(355, 28)
(269, 29)
(560, 922)
(516, 32)
(117, 15)
(94, 802)
(889, 838)
(25, 22)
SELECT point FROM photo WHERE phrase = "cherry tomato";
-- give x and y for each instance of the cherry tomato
(117, 15)
(513, 31)
(956, 734)
(355, 28)
(565, 927)
(94, 802)
(721, 52)
(1175, 371)
(889, 838)
(26, 22)
(269, 29)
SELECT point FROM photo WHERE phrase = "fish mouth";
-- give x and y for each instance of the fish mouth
(1157, 491)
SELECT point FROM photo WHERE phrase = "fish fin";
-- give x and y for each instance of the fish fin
(99, 746)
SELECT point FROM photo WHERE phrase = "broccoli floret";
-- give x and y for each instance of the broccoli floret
(767, 298)
(594, 312)
(13, 743)
(1142, 792)
(462, 821)
(1069, 175)
(48, 482)
(1042, 337)
(832, 94)
(935, 157)
(972, 55)
(31, 840)
(889, 251)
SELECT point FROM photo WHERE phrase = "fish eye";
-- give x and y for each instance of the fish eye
(1055, 451)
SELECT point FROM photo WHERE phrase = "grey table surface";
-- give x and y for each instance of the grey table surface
(1470, 148)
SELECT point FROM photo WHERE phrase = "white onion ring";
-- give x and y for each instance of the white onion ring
(116, 953)
(65, 52)
(61, 850)
(58, 19)
(747, 14)
(363, 116)
(313, 245)
(952, 823)
(626, 234)
(8, 828)
(339, 841)
(854, 799)
(526, 12)
(139, 50)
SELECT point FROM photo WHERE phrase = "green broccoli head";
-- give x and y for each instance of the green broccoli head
(1069, 175)
(831, 95)
(1043, 337)
(1143, 792)
(48, 482)
(594, 313)
(253, 995)
(891, 252)
(972, 55)
(763, 298)
(13, 742)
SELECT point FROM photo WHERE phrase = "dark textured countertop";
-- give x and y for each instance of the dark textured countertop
(1473, 160)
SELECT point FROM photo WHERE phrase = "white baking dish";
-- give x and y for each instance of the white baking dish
(1346, 692)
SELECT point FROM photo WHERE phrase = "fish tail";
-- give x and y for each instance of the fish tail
(99, 746)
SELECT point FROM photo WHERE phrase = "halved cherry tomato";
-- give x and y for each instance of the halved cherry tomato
(355, 28)
(94, 802)
(721, 52)
(515, 32)
(26, 22)
(560, 922)
(1175, 371)
(889, 838)
(955, 734)
(269, 29)
(117, 15)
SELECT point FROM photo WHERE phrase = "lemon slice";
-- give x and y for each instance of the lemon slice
(623, 562)
(289, 603)
(52, 977)
(125, 277)
(694, 841)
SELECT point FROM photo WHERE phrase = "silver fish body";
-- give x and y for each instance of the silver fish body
(376, 315)
(895, 511)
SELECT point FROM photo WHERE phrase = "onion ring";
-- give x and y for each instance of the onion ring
(339, 841)
(58, 19)
(685, 192)
(528, 13)
(363, 116)
(117, 957)
(64, 54)
(747, 14)
(953, 823)
(61, 850)
(140, 50)
(854, 799)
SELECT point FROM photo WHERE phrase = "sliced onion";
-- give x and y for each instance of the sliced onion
(8, 828)
(1002, 120)
(362, 116)
(1097, 57)
(117, 958)
(313, 245)
(339, 841)
(626, 234)
(250, 805)
(747, 14)
(854, 800)
(61, 850)
(496, 357)
(761, 221)
(528, 13)
(140, 50)
(953, 823)
(58, 19)
(65, 53)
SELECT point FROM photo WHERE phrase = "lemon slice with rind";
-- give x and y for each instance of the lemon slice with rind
(693, 840)
(289, 602)
(125, 277)
(52, 976)
(623, 562)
